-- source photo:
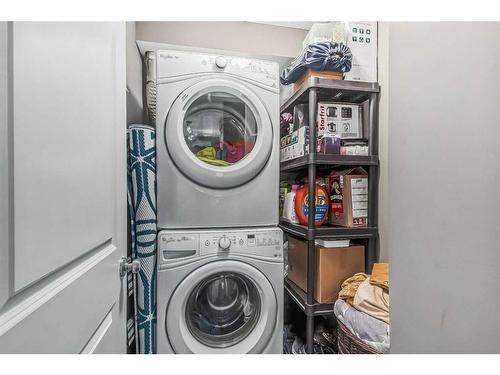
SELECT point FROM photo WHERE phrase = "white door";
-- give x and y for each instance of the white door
(62, 187)
(219, 133)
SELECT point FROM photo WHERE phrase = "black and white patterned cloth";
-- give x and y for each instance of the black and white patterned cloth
(142, 214)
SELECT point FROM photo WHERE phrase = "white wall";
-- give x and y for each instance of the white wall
(248, 37)
(444, 178)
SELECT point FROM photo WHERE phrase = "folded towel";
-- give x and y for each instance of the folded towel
(350, 286)
(380, 275)
(372, 300)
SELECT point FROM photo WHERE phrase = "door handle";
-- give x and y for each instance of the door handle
(128, 265)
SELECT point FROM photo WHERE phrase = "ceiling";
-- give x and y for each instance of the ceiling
(294, 25)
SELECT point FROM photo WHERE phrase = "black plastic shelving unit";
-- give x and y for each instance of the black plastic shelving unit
(312, 91)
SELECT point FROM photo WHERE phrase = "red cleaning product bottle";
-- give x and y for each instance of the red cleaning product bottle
(302, 204)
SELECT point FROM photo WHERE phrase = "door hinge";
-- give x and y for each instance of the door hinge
(128, 265)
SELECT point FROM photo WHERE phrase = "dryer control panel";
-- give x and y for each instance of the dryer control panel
(261, 243)
(173, 63)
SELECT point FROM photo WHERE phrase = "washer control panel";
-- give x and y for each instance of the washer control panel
(262, 243)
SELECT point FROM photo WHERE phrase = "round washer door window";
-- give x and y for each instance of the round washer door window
(218, 133)
(222, 307)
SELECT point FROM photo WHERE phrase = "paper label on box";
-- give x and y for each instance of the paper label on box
(339, 119)
(359, 193)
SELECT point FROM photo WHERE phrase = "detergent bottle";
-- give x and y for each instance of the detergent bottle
(302, 204)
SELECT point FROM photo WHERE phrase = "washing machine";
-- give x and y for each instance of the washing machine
(220, 291)
(217, 140)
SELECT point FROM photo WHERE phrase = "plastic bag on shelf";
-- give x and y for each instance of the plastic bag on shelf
(319, 56)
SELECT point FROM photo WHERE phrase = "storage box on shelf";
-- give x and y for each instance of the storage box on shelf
(334, 264)
(313, 90)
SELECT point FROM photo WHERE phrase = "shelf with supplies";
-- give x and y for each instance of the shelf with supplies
(333, 90)
(300, 298)
(328, 231)
(330, 124)
(328, 160)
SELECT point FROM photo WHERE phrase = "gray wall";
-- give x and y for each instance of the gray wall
(444, 178)
(249, 37)
(135, 108)
(383, 135)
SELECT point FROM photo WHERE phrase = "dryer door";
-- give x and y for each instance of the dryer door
(222, 307)
(218, 133)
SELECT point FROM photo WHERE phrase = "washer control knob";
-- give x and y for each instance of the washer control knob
(224, 243)
(221, 62)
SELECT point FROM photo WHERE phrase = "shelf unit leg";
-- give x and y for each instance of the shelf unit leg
(371, 254)
(311, 246)
(309, 334)
(372, 251)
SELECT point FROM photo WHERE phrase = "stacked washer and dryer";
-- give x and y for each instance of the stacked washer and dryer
(220, 253)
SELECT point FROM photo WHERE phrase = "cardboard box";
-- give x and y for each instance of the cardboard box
(348, 191)
(362, 41)
(296, 144)
(340, 119)
(333, 266)
(354, 150)
(300, 116)
(328, 74)
(328, 144)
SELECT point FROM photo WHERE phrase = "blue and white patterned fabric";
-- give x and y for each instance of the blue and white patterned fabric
(319, 56)
(142, 211)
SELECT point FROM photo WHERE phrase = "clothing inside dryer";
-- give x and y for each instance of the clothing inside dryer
(223, 309)
(220, 128)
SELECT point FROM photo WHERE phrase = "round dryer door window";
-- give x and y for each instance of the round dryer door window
(219, 133)
(222, 307)
(220, 129)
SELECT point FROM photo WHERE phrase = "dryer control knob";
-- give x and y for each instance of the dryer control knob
(224, 243)
(221, 62)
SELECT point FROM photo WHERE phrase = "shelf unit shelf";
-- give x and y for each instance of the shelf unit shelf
(300, 298)
(339, 90)
(327, 231)
(312, 91)
(327, 160)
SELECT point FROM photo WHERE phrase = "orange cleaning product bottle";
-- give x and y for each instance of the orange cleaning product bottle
(302, 204)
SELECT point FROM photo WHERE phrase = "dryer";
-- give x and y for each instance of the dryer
(220, 291)
(217, 140)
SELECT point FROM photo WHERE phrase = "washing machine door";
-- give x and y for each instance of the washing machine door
(222, 307)
(218, 133)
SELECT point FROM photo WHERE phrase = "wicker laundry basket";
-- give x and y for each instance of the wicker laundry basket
(350, 344)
